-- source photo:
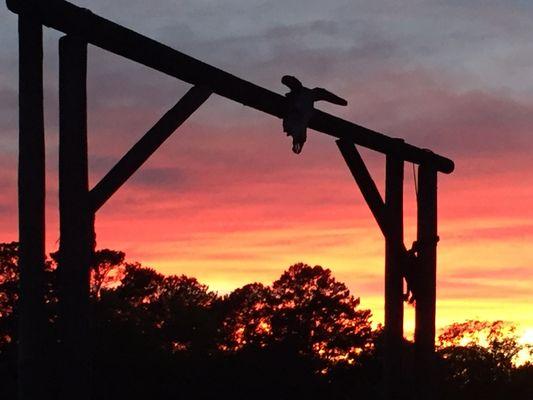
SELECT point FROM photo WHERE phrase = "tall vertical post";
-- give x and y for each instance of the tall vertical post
(393, 278)
(426, 297)
(31, 195)
(76, 220)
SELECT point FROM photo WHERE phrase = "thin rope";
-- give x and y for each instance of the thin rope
(414, 179)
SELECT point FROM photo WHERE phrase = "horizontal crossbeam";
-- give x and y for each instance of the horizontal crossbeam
(71, 19)
(147, 145)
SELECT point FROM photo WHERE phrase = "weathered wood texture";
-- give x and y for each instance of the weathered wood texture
(147, 145)
(70, 19)
(426, 298)
(76, 243)
(393, 278)
(32, 366)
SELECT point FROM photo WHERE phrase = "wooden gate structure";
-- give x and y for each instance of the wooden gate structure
(79, 203)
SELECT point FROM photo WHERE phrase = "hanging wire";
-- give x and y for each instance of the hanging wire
(414, 179)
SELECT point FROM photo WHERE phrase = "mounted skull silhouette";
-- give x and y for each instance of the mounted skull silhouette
(301, 107)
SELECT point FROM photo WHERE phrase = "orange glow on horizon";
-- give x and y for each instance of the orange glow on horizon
(249, 226)
(240, 211)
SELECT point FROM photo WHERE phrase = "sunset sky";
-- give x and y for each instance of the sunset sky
(225, 199)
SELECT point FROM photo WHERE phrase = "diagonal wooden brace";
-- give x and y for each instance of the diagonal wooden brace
(147, 145)
(365, 182)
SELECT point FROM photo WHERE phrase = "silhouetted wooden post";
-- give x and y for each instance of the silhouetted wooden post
(393, 278)
(76, 220)
(426, 297)
(31, 192)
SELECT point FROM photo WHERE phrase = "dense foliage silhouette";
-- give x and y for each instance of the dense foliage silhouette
(303, 337)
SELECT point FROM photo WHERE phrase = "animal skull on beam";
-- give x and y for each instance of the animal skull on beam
(300, 109)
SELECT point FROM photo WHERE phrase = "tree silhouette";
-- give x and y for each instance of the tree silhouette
(304, 336)
(306, 311)
(9, 295)
(8, 292)
(247, 314)
(107, 270)
(478, 360)
(184, 313)
(318, 316)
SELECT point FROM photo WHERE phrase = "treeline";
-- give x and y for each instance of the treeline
(303, 337)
